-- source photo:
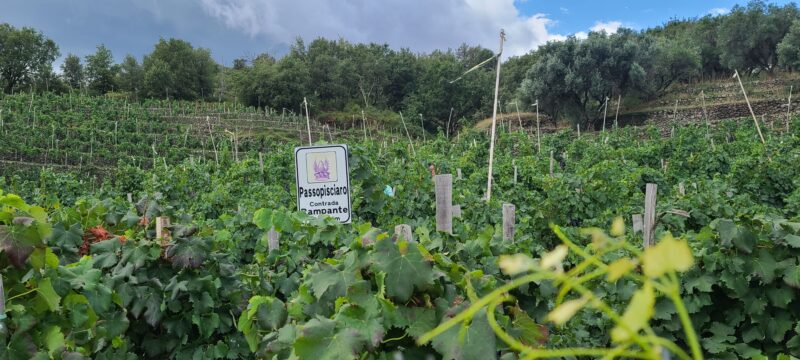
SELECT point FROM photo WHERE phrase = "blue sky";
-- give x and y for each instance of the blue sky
(244, 28)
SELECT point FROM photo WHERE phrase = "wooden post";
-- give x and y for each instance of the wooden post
(458, 174)
(579, 131)
(681, 189)
(447, 131)
(422, 126)
(675, 114)
(273, 238)
(705, 113)
(130, 198)
(403, 231)
(649, 213)
(538, 131)
(410, 142)
(508, 221)
(308, 120)
(444, 202)
(789, 108)
(494, 118)
(519, 118)
(261, 161)
(457, 211)
(605, 111)
(616, 116)
(758, 127)
(551, 163)
(162, 233)
(637, 223)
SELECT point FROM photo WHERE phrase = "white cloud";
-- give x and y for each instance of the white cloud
(564, 10)
(718, 11)
(421, 25)
(610, 27)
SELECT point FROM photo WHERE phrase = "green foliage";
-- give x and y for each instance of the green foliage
(177, 70)
(25, 55)
(789, 48)
(101, 71)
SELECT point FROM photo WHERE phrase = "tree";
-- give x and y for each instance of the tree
(72, 71)
(24, 53)
(789, 48)
(191, 71)
(131, 75)
(101, 71)
(665, 61)
(749, 36)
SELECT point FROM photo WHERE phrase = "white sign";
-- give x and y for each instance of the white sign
(323, 181)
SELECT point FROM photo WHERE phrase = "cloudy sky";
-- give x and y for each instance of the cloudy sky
(244, 28)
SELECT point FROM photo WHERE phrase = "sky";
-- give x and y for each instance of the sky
(245, 28)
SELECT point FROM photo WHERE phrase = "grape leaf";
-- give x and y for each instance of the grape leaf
(477, 342)
(404, 266)
(319, 340)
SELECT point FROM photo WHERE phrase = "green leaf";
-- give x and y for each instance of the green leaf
(780, 297)
(330, 283)
(53, 339)
(46, 292)
(476, 342)
(764, 266)
(188, 252)
(637, 314)
(69, 240)
(319, 340)
(792, 240)
(404, 266)
(778, 325)
(104, 253)
(702, 283)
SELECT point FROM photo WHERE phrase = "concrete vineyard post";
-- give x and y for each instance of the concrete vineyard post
(509, 220)
(162, 233)
(273, 238)
(403, 231)
(444, 202)
(649, 213)
(130, 198)
(458, 174)
(681, 189)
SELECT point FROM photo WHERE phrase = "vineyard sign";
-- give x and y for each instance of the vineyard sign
(323, 181)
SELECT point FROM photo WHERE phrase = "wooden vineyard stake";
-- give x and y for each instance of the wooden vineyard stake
(616, 116)
(457, 211)
(509, 220)
(758, 127)
(538, 132)
(410, 142)
(649, 213)
(705, 113)
(273, 238)
(494, 118)
(458, 174)
(130, 198)
(551, 163)
(308, 120)
(579, 131)
(788, 108)
(637, 223)
(681, 189)
(261, 162)
(605, 111)
(403, 231)
(444, 202)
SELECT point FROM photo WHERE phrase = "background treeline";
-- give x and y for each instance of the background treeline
(570, 79)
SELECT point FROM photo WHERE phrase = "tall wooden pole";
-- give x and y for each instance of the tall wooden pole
(308, 120)
(414, 152)
(494, 117)
(605, 111)
(447, 131)
(422, 126)
(755, 120)
(616, 116)
(538, 132)
(789, 108)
